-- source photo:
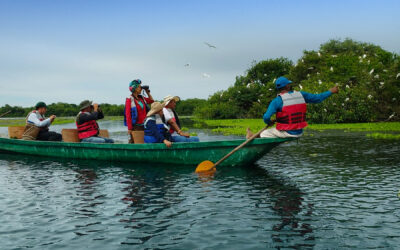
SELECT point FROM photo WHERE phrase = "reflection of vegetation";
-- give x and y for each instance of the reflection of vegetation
(238, 126)
(384, 136)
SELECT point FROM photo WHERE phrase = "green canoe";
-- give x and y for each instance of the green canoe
(180, 153)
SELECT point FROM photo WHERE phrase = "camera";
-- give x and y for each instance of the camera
(146, 87)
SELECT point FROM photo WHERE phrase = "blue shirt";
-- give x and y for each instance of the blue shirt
(277, 104)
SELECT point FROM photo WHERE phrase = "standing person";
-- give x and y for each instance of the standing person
(172, 119)
(290, 108)
(136, 108)
(88, 129)
(37, 126)
(155, 130)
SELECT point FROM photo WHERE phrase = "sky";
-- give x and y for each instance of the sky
(69, 51)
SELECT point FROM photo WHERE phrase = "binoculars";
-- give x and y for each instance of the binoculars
(145, 87)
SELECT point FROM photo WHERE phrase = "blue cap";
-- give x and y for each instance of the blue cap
(282, 82)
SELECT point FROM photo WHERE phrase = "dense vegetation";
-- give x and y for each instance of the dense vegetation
(368, 76)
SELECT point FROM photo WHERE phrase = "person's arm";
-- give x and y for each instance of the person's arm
(149, 99)
(275, 105)
(84, 117)
(34, 120)
(316, 98)
(100, 114)
(128, 115)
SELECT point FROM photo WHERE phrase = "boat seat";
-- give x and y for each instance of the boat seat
(71, 135)
(16, 132)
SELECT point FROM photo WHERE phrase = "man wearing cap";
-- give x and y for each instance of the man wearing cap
(155, 130)
(172, 119)
(136, 108)
(37, 119)
(290, 108)
(88, 129)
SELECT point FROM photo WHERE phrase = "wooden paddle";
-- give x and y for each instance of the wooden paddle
(210, 166)
(5, 113)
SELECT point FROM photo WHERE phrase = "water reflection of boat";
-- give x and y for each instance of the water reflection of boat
(179, 153)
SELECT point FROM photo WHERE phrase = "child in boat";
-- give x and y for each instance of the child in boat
(155, 130)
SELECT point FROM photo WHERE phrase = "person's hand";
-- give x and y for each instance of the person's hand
(52, 117)
(147, 91)
(167, 143)
(180, 132)
(95, 106)
(334, 90)
(271, 122)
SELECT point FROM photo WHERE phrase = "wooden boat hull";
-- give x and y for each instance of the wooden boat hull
(158, 153)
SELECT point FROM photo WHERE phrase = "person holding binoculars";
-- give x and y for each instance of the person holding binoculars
(86, 122)
(136, 107)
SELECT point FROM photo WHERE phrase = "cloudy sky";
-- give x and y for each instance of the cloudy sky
(67, 51)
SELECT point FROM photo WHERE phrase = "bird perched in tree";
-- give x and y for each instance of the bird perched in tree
(210, 45)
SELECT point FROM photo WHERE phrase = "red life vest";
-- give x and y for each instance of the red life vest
(293, 114)
(87, 129)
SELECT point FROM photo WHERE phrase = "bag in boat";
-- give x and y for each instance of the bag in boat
(31, 132)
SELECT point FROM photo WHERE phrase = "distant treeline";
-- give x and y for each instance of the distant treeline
(184, 107)
(368, 76)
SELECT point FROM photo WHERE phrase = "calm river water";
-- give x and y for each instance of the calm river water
(331, 190)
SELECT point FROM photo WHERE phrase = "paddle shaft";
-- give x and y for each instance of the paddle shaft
(5, 113)
(240, 146)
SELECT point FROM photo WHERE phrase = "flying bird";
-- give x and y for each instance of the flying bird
(210, 45)
(205, 75)
(187, 65)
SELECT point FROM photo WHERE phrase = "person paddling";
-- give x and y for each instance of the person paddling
(291, 109)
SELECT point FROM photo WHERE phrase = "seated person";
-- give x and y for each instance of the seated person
(172, 119)
(155, 131)
(37, 121)
(290, 108)
(88, 129)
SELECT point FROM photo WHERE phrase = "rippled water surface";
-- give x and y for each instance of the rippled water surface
(326, 191)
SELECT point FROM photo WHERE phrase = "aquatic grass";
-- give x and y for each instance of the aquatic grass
(238, 126)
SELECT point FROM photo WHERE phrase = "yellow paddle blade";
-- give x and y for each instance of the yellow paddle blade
(205, 166)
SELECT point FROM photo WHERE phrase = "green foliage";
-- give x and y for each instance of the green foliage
(366, 74)
(187, 107)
